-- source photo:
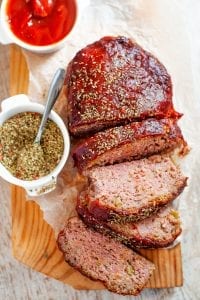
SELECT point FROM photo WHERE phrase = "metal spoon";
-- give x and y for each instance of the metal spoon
(54, 90)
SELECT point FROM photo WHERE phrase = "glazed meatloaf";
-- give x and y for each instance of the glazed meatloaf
(132, 191)
(132, 141)
(101, 258)
(157, 231)
(114, 81)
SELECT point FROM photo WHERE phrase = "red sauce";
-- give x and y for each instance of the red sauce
(41, 30)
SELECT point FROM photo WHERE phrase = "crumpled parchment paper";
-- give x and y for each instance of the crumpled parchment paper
(161, 28)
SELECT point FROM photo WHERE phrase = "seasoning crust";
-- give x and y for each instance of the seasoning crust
(114, 81)
(157, 231)
(132, 141)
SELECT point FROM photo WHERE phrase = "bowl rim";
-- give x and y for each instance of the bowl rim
(46, 48)
(36, 107)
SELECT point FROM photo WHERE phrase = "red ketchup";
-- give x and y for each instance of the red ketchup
(41, 22)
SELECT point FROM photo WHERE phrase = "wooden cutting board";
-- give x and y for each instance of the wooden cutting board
(33, 240)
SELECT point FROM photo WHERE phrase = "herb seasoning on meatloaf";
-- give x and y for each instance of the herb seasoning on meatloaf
(18, 153)
(113, 82)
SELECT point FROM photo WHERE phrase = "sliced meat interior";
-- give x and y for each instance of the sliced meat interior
(120, 96)
(132, 191)
(102, 258)
(157, 231)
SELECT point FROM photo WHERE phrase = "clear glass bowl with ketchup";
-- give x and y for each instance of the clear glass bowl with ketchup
(38, 25)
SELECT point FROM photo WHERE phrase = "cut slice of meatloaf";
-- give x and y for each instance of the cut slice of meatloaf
(132, 141)
(101, 258)
(157, 231)
(132, 191)
(114, 81)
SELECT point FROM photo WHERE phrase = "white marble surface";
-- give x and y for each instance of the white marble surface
(19, 282)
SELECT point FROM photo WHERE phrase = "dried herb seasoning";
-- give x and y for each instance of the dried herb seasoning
(18, 153)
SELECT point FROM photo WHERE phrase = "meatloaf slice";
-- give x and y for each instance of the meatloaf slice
(132, 141)
(157, 231)
(132, 191)
(114, 81)
(101, 258)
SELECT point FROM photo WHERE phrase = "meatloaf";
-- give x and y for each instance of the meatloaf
(157, 231)
(114, 81)
(132, 141)
(132, 191)
(101, 258)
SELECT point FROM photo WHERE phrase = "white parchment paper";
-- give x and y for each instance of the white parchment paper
(161, 28)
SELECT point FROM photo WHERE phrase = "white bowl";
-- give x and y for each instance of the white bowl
(21, 103)
(7, 36)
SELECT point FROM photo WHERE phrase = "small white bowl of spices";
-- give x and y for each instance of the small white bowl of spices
(37, 169)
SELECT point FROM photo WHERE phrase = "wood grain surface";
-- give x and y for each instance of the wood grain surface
(19, 282)
(33, 239)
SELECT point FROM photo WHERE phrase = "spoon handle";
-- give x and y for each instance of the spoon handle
(55, 88)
